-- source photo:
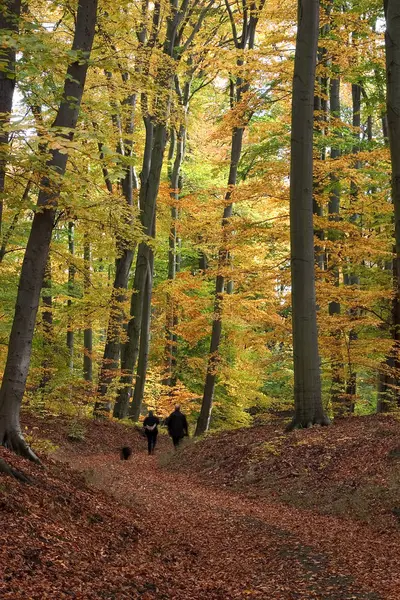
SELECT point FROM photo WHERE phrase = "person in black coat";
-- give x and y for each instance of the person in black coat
(150, 425)
(177, 426)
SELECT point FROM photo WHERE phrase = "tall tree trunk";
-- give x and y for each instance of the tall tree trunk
(171, 262)
(155, 141)
(71, 288)
(47, 327)
(392, 46)
(10, 13)
(156, 137)
(6, 237)
(388, 389)
(307, 378)
(317, 206)
(337, 390)
(175, 183)
(203, 262)
(352, 278)
(203, 421)
(37, 250)
(238, 89)
(230, 287)
(385, 128)
(137, 400)
(320, 118)
(123, 266)
(150, 181)
(88, 331)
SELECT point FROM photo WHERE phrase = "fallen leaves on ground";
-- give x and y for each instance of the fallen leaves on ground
(351, 468)
(132, 529)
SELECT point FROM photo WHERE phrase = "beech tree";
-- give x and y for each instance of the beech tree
(87, 332)
(37, 250)
(182, 25)
(307, 378)
(334, 216)
(150, 175)
(9, 23)
(47, 325)
(71, 292)
(125, 246)
(392, 46)
(175, 160)
(239, 87)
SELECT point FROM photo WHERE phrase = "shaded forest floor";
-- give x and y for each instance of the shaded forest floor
(351, 469)
(199, 524)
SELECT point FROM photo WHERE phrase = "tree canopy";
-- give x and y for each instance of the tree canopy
(160, 154)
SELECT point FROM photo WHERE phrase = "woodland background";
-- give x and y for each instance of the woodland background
(221, 82)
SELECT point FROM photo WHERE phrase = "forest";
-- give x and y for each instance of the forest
(199, 210)
(152, 231)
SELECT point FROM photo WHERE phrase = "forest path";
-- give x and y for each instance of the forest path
(204, 543)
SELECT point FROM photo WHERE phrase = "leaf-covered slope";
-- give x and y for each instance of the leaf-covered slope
(79, 435)
(141, 531)
(60, 539)
(351, 468)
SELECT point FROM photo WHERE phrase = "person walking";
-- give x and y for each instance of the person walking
(177, 426)
(150, 425)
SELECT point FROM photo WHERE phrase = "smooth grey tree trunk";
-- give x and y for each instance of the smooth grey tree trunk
(156, 122)
(129, 350)
(203, 262)
(112, 346)
(203, 421)
(138, 393)
(175, 161)
(337, 388)
(334, 197)
(317, 207)
(123, 266)
(71, 288)
(171, 319)
(351, 278)
(153, 157)
(307, 378)
(88, 331)
(238, 88)
(10, 13)
(320, 120)
(150, 176)
(392, 47)
(6, 237)
(37, 250)
(47, 328)
(387, 388)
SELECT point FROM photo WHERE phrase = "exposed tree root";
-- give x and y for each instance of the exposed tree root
(13, 440)
(299, 424)
(5, 468)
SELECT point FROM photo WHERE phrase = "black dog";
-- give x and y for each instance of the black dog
(126, 452)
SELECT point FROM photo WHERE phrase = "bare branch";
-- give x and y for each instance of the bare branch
(233, 24)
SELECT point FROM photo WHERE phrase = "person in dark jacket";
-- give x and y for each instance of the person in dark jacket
(150, 425)
(177, 426)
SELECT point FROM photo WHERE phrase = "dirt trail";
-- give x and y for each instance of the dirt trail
(204, 543)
